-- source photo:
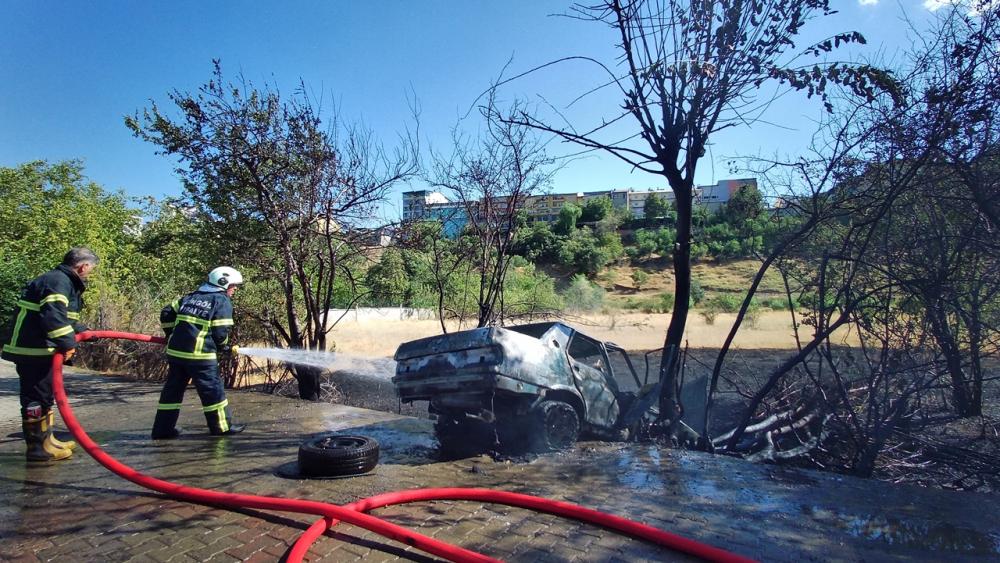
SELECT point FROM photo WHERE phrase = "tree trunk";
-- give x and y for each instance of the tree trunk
(965, 406)
(309, 382)
(670, 407)
(444, 328)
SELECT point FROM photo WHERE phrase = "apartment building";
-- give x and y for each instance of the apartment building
(637, 200)
(546, 207)
(425, 204)
(715, 196)
(416, 204)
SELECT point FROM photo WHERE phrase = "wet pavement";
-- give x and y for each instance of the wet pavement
(78, 511)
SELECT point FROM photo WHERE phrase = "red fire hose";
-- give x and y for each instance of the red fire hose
(356, 513)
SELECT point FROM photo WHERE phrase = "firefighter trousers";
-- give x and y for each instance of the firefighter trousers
(210, 390)
(35, 379)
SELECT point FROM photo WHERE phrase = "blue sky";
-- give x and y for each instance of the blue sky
(72, 70)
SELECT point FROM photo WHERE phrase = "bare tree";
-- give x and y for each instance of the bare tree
(491, 178)
(895, 244)
(687, 70)
(278, 195)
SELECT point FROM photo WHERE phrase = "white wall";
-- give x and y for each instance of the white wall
(381, 314)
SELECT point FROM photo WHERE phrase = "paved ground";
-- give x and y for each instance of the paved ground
(77, 511)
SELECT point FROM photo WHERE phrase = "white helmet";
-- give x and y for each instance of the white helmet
(224, 276)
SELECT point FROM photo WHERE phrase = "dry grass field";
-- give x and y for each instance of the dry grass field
(619, 323)
(632, 331)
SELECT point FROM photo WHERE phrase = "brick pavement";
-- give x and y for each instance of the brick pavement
(78, 511)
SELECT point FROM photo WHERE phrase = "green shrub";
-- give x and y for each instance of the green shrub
(666, 302)
(639, 278)
(583, 296)
(776, 303)
(528, 291)
(725, 303)
(662, 303)
(752, 316)
(697, 292)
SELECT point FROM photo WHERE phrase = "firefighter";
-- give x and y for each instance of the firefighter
(197, 327)
(46, 319)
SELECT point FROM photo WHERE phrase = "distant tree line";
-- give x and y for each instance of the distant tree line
(585, 239)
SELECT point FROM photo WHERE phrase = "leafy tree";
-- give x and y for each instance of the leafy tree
(537, 243)
(45, 209)
(747, 204)
(665, 240)
(588, 253)
(595, 209)
(657, 210)
(569, 215)
(279, 194)
(645, 243)
(447, 265)
(700, 216)
(387, 279)
(171, 242)
(699, 250)
(419, 277)
(648, 241)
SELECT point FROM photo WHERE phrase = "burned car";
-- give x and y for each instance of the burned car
(536, 386)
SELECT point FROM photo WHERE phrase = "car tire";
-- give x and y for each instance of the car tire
(338, 456)
(557, 426)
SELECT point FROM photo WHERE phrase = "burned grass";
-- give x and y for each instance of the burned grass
(933, 447)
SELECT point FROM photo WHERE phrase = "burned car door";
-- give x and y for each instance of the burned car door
(592, 376)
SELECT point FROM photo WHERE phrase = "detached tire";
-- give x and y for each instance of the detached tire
(556, 425)
(338, 456)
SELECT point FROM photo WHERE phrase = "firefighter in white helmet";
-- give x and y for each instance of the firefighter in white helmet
(197, 328)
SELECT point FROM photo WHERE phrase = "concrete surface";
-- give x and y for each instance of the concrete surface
(78, 511)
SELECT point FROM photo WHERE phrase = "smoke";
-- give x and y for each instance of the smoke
(380, 368)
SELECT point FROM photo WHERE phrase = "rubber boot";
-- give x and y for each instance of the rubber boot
(165, 425)
(50, 427)
(39, 440)
(220, 423)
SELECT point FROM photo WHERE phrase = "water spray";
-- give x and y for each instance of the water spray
(380, 368)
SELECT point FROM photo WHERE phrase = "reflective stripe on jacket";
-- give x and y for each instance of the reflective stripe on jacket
(197, 325)
(47, 316)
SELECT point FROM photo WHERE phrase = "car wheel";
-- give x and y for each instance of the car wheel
(557, 426)
(338, 455)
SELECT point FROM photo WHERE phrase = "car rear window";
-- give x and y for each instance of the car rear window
(533, 330)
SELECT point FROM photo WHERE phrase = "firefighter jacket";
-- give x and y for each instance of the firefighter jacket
(197, 325)
(47, 316)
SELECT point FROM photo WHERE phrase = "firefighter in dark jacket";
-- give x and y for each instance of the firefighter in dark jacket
(197, 327)
(46, 319)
